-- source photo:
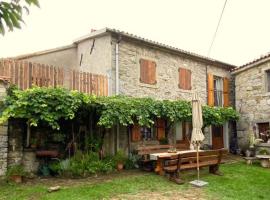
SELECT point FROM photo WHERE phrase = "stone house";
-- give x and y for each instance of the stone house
(140, 67)
(252, 98)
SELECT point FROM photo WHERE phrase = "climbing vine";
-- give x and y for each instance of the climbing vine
(49, 105)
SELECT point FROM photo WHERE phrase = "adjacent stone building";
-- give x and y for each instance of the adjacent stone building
(252, 95)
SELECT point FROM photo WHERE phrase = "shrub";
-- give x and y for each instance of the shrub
(120, 157)
(16, 170)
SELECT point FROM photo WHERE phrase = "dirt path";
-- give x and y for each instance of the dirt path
(189, 194)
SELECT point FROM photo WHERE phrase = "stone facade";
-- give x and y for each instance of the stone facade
(3, 136)
(166, 73)
(167, 65)
(252, 99)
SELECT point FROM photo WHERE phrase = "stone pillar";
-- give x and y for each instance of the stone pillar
(3, 135)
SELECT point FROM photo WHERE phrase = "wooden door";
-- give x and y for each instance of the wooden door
(217, 137)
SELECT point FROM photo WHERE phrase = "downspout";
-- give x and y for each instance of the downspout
(117, 84)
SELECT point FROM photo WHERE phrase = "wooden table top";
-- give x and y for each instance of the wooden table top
(155, 156)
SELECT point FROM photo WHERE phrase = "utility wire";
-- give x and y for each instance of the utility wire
(214, 37)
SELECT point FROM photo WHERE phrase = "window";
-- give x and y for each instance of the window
(183, 132)
(147, 72)
(184, 79)
(218, 91)
(267, 81)
(156, 132)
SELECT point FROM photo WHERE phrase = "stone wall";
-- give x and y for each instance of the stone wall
(166, 75)
(252, 100)
(3, 135)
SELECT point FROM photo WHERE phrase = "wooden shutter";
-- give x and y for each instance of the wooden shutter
(210, 90)
(160, 124)
(147, 71)
(136, 133)
(226, 92)
(184, 79)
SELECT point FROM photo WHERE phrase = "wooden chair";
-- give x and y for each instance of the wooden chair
(171, 166)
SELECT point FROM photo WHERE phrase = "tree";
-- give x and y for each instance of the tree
(11, 13)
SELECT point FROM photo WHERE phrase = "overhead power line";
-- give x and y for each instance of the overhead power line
(215, 34)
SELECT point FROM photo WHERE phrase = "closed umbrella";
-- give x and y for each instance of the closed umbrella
(197, 136)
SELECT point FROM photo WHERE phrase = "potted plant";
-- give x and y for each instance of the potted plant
(264, 157)
(120, 158)
(15, 173)
(33, 143)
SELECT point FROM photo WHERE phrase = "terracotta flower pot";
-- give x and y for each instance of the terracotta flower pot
(16, 178)
(120, 166)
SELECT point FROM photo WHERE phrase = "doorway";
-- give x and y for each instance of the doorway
(217, 137)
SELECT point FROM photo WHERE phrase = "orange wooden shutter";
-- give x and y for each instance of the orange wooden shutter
(184, 79)
(160, 124)
(136, 133)
(210, 90)
(188, 79)
(147, 71)
(226, 92)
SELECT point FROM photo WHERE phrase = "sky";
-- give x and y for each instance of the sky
(243, 35)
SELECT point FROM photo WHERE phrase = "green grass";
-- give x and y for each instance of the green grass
(239, 182)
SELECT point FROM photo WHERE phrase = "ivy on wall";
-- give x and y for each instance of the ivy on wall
(49, 105)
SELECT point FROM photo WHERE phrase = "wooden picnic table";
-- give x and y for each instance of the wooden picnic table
(159, 157)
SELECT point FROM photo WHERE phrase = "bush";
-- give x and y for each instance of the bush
(15, 170)
(83, 165)
(132, 161)
(120, 157)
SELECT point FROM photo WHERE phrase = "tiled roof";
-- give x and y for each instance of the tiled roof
(252, 63)
(157, 44)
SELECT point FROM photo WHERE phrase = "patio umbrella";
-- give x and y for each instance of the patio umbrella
(197, 136)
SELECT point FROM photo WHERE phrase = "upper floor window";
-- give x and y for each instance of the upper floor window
(218, 91)
(267, 81)
(184, 79)
(147, 71)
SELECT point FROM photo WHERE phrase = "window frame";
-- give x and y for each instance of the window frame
(220, 91)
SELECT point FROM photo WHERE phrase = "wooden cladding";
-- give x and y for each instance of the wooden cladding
(210, 87)
(147, 72)
(89, 83)
(26, 74)
(184, 79)
(226, 91)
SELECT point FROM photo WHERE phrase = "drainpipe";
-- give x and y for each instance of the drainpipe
(117, 84)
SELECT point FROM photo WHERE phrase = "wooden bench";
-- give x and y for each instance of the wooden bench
(145, 151)
(208, 158)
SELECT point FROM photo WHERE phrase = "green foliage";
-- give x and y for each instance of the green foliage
(120, 157)
(42, 104)
(263, 151)
(49, 105)
(11, 13)
(15, 170)
(83, 165)
(132, 161)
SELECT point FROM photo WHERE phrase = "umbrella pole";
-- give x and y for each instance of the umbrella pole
(198, 168)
